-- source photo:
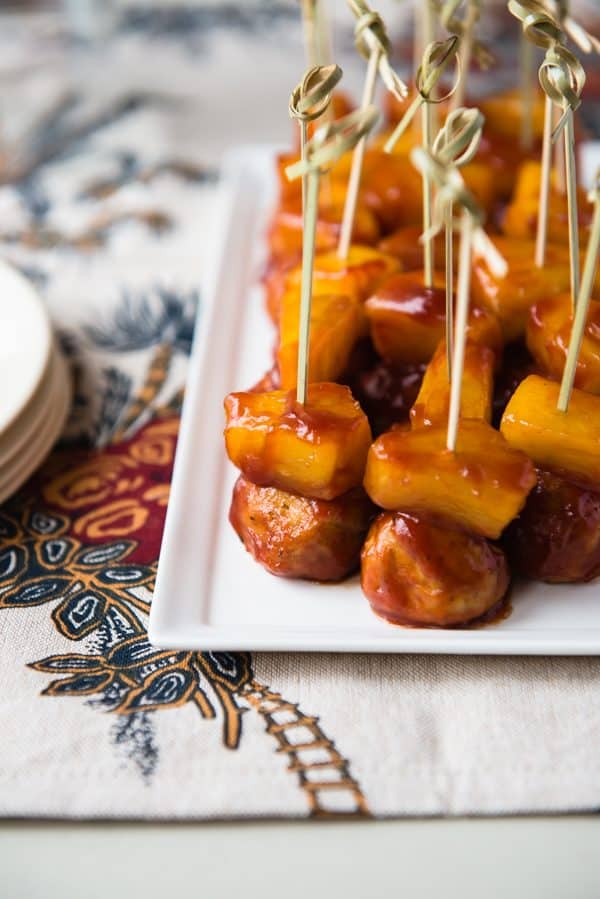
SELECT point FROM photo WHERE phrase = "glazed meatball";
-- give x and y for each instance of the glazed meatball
(415, 572)
(294, 536)
(556, 538)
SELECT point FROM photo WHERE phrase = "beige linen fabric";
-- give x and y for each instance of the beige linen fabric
(111, 232)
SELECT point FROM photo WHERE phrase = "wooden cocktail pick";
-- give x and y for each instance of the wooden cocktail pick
(321, 152)
(455, 145)
(309, 101)
(436, 57)
(466, 30)
(451, 189)
(583, 302)
(585, 41)
(371, 42)
(316, 40)
(562, 78)
(541, 29)
(454, 25)
(425, 15)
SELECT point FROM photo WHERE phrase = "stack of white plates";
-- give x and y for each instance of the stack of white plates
(35, 388)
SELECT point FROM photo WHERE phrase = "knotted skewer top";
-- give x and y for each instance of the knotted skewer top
(436, 57)
(586, 42)
(562, 78)
(312, 96)
(331, 141)
(458, 141)
(371, 37)
(453, 24)
(539, 25)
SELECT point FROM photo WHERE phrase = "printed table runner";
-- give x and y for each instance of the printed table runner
(107, 216)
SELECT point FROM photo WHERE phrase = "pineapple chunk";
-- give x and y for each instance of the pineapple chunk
(567, 441)
(408, 320)
(480, 179)
(336, 324)
(286, 228)
(433, 402)
(480, 487)
(520, 218)
(548, 336)
(391, 189)
(405, 246)
(504, 114)
(511, 297)
(357, 276)
(317, 450)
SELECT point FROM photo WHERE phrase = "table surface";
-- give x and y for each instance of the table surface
(549, 858)
(503, 857)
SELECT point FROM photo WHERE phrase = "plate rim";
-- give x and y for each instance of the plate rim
(10, 271)
(161, 633)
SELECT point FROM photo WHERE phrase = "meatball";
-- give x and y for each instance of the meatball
(294, 536)
(416, 572)
(556, 538)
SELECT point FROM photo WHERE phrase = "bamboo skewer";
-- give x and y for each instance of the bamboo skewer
(327, 146)
(460, 333)
(583, 303)
(466, 42)
(465, 31)
(573, 219)
(357, 162)
(526, 66)
(311, 213)
(436, 57)
(540, 29)
(452, 190)
(427, 203)
(310, 13)
(560, 179)
(541, 236)
(562, 78)
(456, 144)
(310, 100)
(371, 42)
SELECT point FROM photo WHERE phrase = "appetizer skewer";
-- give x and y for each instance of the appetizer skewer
(438, 507)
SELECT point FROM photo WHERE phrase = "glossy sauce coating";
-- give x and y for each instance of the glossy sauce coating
(521, 215)
(556, 538)
(408, 320)
(317, 450)
(404, 244)
(419, 573)
(548, 335)
(357, 276)
(516, 365)
(285, 232)
(480, 487)
(391, 189)
(432, 405)
(386, 393)
(568, 441)
(296, 537)
(337, 322)
(510, 297)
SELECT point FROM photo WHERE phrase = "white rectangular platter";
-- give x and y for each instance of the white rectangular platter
(210, 594)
